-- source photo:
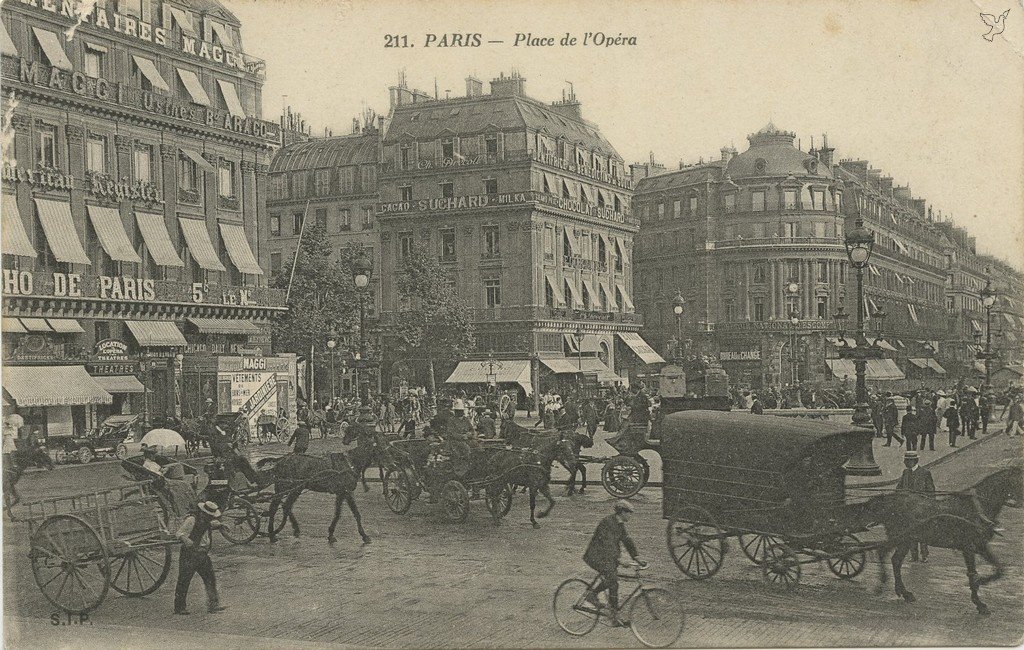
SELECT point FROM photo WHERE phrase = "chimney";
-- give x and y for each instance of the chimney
(885, 185)
(507, 86)
(858, 168)
(474, 87)
(727, 153)
(825, 152)
(902, 193)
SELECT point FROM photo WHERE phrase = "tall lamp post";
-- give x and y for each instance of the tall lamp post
(578, 337)
(678, 304)
(331, 344)
(794, 368)
(361, 269)
(859, 245)
(988, 300)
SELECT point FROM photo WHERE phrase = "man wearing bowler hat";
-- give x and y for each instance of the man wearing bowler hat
(918, 480)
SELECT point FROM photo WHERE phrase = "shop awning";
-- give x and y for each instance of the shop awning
(603, 372)
(1009, 319)
(882, 343)
(199, 245)
(65, 325)
(61, 236)
(561, 366)
(52, 49)
(156, 334)
(149, 71)
(36, 325)
(934, 365)
(587, 194)
(15, 237)
(158, 242)
(574, 247)
(554, 187)
(874, 270)
(238, 249)
(640, 347)
(609, 296)
(6, 44)
(975, 326)
(194, 87)
(505, 372)
(120, 384)
(225, 326)
(913, 314)
(53, 386)
(595, 299)
(589, 343)
(574, 295)
(110, 231)
(900, 245)
(198, 159)
(556, 290)
(874, 370)
(12, 326)
(222, 34)
(227, 89)
(920, 363)
(184, 21)
(626, 302)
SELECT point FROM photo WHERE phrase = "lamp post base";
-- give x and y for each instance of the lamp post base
(863, 462)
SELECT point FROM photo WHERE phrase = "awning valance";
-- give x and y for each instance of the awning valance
(158, 242)
(156, 334)
(556, 289)
(515, 371)
(230, 94)
(224, 326)
(627, 304)
(149, 71)
(15, 237)
(238, 249)
(590, 343)
(52, 49)
(65, 325)
(598, 367)
(199, 245)
(110, 231)
(574, 295)
(194, 87)
(61, 236)
(120, 384)
(639, 346)
(53, 386)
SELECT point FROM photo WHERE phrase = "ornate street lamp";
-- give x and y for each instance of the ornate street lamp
(859, 245)
(362, 267)
(678, 304)
(331, 344)
(988, 300)
(794, 319)
(578, 337)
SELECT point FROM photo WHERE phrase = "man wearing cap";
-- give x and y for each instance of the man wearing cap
(918, 480)
(195, 558)
(602, 555)
(300, 438)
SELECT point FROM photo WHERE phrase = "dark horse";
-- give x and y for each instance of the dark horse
(522, 437)
(292, 474)
(371, 450)
(21, 460)
(961, 521)
(530, 467)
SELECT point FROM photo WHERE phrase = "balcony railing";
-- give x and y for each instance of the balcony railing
(530, 313)
(738, 242)
(453, 162)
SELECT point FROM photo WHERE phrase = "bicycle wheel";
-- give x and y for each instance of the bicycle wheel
(656, 618)
(572, 611)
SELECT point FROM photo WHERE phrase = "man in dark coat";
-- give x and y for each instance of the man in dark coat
(985, 410)
(929, 423)
(918, 480)
(602, 555)
(300, 438)
(969, 414)
(756, 407)
(877, 402)
(194, 557)
(952, 416)
(590, 418)
(909, 428)
(570, 416)
(890, 420)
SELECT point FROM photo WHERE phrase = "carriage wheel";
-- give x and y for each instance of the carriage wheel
(398, 490)
(622, 476)
(696, 544)
(455, 498)
(85, 454)
(754, 545)
(60, 455)
(781, 566)
(141, 571)
(500, 503)
(70, 564)
(121, 452)
(851, 560)
(240, 523)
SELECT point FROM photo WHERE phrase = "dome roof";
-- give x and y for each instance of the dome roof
(771, 153)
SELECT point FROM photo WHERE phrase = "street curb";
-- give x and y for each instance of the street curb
(937, 461)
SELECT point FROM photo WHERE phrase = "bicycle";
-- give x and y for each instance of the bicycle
(656, 617)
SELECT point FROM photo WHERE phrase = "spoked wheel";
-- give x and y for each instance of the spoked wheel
(240, 523)
(657, 618)
(500, 502)
(572, 611)
(455, 498)
(85, 454)
(755, 544)
(850, 561)
(60, 455)
(398, 490)
(141, 571)
(696, 544)
(70, 564)
(622, 476)
(781, 566)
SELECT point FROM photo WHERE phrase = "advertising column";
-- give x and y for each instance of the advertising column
(259, 386)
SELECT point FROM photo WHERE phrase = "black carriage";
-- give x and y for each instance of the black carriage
(776, 484)
(420, 465)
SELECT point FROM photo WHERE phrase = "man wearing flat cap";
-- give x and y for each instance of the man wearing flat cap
(918, 480)
(602, 554)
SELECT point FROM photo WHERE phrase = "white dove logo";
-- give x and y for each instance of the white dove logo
(996, 25)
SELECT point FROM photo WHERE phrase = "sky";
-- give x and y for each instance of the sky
(910, 86)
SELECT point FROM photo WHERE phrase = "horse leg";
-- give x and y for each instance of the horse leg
(338, 498)
(289, 505)
(883, 571)
(973, 582)
(359, 520)
(986, 553)
(583, 474)
(275, 502)
(571, 489)
(362, 477)
(533, 507)
(551, 501)
(897, 563)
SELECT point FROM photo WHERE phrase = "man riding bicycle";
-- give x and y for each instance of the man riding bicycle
(602, 555)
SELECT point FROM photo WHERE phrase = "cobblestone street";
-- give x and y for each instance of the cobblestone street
(426, 582)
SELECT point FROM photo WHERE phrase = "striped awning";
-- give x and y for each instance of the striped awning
(6, 44)
(639, 346)
(53, 386)
(158, 242)
(505, 371)
(627, 304)
(556, 289)
(120, 384)
(199, 245)
(156, 334)
(52, 49)
(230, 94)
(65, 325)
(238, 249)
(12, 326)
(874, 369)
(59, 228)
(15, 237)
(561, 366)
(149, 71)
(224, 326)
(36, 325)
(198, 159)
(110, 231)
(194, 87)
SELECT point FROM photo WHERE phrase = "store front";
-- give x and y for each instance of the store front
(55, 401)
(255, 385)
